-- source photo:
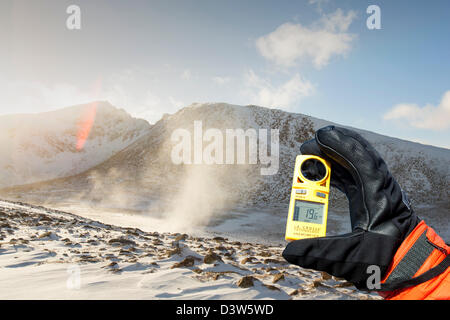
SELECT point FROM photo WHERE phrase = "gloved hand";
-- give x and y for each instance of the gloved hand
(380, 213)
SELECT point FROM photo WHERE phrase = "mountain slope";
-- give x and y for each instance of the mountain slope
(143, 173)
(44, 146)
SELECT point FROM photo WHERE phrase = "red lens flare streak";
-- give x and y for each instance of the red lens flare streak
(87, 119)
(85, 125)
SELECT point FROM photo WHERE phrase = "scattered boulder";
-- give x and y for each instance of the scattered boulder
(88, 258)
(278, 277)
(317, 283)
(325, 276)
(268, 260)
(173, 251)
(211, 258)
(189, 261)
(115, 270)
(265, 254)
(181, 237)
(272, 270)
(124, 252)
(245, 282)
(247, 259)
(148, 254)
(43, 217)
(214, 276)
(343, 284)
(175, 244)
(294, 293)
(298, 291)
(122, 241)
(133, 232)
(113, 265)
(47, 234)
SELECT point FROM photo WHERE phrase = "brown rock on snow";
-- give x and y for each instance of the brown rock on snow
(298, 291)
(325, 276)
(317, 283)
(211, 257)
(265, 254)
(245, 282)
(344, 284)
(268, 260)
(45, 235)
(278, 277)
(122, 241)
(294, 293)
(174, 251)
(181, 237)
(189, 261)
(247, 259)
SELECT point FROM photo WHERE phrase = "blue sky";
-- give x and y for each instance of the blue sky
(315, 57)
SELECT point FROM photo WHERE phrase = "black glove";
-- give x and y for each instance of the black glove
(380, 213)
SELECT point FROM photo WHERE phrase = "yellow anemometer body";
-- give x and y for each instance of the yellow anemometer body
(308, 208)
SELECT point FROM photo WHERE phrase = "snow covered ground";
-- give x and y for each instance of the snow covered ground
(50, 254)
(261, 225)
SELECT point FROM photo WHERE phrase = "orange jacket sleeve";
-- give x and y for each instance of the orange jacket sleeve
(421, 251)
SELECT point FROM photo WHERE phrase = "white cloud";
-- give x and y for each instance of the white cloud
(186, 75)
(292, 43)
(221, 80)
(262, 92)
(427, 117)
(336, 21)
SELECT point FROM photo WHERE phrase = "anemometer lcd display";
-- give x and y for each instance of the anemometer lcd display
(308, 207)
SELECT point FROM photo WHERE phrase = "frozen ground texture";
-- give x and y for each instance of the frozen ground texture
(50, 254)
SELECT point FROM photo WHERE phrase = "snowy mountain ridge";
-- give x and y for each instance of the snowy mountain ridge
(141, 178)
(144, 166)
(49, 145)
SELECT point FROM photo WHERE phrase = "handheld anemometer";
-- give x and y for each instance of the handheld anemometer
(308, 207)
